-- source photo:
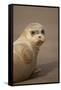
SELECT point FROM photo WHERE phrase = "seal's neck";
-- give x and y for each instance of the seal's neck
(30, 44)
(35, 48)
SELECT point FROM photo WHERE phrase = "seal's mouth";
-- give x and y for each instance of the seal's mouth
(39, 42)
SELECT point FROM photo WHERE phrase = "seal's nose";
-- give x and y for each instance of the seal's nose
(39, 36)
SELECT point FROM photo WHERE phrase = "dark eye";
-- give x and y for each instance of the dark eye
(42, 31)
(32, 32)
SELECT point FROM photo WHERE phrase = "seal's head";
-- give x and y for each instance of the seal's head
(35, 34)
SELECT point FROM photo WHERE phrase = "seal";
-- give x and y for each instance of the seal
(25, 51)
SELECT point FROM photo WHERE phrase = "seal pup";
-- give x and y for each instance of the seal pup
(25, 51)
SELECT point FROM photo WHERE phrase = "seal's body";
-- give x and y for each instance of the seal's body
(25, 50)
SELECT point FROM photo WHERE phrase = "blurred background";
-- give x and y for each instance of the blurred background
(47, 62)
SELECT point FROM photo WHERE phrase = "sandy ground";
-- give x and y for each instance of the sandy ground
(45, 73)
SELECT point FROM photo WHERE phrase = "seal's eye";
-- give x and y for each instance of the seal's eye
(32, 32)
(42, 31)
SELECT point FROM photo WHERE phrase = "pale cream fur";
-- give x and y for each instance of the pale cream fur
(25, 50)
